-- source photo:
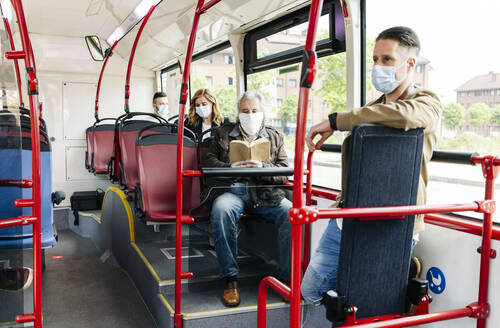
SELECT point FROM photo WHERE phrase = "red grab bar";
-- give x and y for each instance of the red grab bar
(16, 64)
(35, 202)
(307, 78)
(132, 55)
(109, 54)
(200, 9)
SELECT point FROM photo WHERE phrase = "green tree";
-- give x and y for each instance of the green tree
(225, 95)
(332, 71)
(495, 115)
(289, 108)
(479, 114)
(226, 98)
(198, 82)
(262, 82)
(453, 115)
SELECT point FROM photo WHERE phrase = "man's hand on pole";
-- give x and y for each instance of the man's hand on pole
(323, 129)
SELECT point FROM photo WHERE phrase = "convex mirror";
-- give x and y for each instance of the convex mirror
(94, 46)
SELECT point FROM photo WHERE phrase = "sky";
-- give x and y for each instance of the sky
(461, 38)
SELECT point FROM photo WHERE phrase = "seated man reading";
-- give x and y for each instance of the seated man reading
(268, 202)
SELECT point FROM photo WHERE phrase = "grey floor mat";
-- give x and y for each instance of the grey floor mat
(203, 262)
(205, 298)
(81, 291)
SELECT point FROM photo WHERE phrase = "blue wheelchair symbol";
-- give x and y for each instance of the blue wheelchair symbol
(437, 281)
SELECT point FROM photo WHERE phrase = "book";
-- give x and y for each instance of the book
(258, 150)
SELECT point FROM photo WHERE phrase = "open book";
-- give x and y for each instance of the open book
(258, 150)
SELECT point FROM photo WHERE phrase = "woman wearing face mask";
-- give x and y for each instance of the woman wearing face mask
(204, 113)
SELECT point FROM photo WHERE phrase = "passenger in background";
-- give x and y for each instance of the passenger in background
(268, 202)
(204, 114)
(160, 104)
(402, 106)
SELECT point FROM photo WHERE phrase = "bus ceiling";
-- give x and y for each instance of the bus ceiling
(168, 30)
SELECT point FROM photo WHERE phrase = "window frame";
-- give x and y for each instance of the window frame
(324, 47)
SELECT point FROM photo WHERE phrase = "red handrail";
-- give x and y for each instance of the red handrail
(463, 225)
(132, 55)
(108, 54)
(307, 78)
(303, 215)
(16, 64)
(35, 203)
(479, 310)
(200, 9)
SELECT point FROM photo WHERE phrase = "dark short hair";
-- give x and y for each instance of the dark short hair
(159, 94)
(404, 35)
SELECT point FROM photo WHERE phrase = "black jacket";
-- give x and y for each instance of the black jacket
(198, 127)
(218, 156)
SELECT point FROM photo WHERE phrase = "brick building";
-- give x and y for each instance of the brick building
(481, 88)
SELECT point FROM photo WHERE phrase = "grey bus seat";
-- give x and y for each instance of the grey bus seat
(384, 170)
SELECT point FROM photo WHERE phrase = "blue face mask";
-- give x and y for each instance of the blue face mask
(384, 78)
(204, 111)
(163, 110)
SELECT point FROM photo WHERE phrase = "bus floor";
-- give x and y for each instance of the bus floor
(78, 289)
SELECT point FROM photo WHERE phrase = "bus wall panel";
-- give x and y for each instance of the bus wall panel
(454, 254)
(67, 80)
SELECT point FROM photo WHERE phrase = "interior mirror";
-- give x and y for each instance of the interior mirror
(94, 46)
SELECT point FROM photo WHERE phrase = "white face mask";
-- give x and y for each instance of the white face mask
(163, 110)
(384, 78)
(204, 111)
(252, 122)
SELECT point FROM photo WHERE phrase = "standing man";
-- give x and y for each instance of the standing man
(266, 201)
(401, 106)
(160, 104)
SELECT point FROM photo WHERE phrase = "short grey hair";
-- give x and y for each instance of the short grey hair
(250, 94)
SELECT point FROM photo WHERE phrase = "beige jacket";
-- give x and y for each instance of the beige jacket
(420, 109)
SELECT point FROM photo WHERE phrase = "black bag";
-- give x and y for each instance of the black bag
(86, 200)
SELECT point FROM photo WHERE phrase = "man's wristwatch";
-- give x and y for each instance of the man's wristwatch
(333, 121)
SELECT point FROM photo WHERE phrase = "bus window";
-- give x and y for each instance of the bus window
(277, 78)
(171, 80)
(466, 79)
(290, 38)
(215, 70)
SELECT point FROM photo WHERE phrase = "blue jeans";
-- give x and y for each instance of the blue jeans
(321, 274)
(227, 210)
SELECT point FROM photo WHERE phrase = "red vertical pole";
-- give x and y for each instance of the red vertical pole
(306, 81)
(35, 146)
(132, 55)
(307, 228)
(96, 112)
(490, 172)
(16, 64)
(180, 144)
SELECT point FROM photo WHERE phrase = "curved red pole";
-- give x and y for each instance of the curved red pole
(307, 74)
(200, 9)
(307, 228)
(109, 54)
(16, 64)
(132, 54)
(180, 144)
(36, 317)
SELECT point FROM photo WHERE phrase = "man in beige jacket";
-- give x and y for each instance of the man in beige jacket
(401, 106)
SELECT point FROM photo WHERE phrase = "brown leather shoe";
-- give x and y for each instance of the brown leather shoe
(231, 296)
